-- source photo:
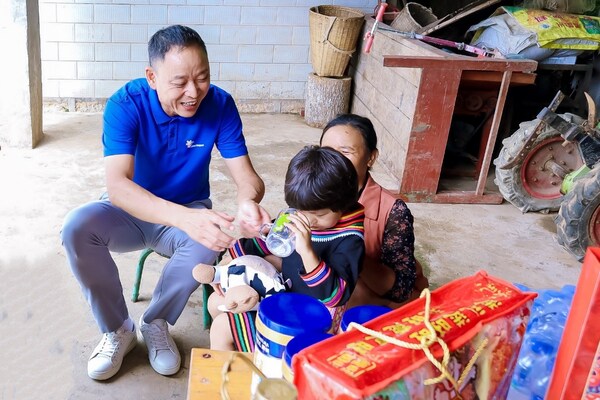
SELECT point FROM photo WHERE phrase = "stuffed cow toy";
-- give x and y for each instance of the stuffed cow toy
(245, 281)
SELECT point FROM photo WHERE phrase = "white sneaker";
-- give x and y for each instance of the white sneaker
(162, 350)
(108, 355)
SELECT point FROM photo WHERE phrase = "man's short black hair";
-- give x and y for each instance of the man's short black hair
(172, 36)
(321, 178)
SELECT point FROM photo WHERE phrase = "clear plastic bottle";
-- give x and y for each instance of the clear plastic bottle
(280, 239)
(540, 343)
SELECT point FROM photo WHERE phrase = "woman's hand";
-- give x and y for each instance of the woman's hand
(300, 225)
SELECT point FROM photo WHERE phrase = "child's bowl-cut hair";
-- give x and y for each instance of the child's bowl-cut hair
(321, 178)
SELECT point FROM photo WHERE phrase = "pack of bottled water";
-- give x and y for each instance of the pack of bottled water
(540, 344)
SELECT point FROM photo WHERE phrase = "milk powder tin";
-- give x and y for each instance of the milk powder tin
(298, 343)
(280, 318)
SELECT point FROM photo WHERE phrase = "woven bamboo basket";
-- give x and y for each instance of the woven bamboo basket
(334, 32)
(413, 18)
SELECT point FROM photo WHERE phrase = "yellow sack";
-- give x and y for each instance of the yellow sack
(556, 30)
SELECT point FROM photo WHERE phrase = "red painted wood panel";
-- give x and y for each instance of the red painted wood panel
(430, 129)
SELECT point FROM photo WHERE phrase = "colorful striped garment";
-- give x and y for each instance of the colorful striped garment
(341, 251)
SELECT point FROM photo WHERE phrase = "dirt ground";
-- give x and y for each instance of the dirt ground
(46, 329)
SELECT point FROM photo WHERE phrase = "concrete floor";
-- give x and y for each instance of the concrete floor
(46, 329)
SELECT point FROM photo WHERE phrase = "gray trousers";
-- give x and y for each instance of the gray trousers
(91, 231)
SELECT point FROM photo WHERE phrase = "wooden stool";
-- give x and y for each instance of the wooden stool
(205, 377)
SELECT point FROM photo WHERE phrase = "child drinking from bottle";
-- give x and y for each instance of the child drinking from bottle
(322, 185)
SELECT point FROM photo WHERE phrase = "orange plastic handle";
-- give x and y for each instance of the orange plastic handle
(369, 36)
(369, 42)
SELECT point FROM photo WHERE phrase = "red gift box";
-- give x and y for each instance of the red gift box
(481, 320)
(573, 376)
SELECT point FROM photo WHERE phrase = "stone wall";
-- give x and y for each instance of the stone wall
(258, 49)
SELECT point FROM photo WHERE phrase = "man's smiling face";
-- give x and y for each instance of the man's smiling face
(181, 80)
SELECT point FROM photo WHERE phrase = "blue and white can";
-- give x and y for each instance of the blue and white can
(362, 314)
(281, 317)
(294, 346)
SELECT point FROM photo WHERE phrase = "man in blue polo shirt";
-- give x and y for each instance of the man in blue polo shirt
(158, 136)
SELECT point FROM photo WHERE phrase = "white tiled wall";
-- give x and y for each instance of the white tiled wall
(258, 49)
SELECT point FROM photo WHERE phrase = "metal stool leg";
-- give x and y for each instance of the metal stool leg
(206, 292)
(135, 293)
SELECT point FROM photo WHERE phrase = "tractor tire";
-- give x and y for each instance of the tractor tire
(527, 186)
(578, 219)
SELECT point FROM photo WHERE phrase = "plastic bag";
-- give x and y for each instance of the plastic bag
(523, 28)
(569, 6)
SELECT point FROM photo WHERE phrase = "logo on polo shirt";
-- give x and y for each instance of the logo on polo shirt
(190, 143)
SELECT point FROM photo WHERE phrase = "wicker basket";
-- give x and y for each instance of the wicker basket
(334, 31)
(413, 17)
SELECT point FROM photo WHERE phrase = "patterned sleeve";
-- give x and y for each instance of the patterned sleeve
(397, 251)
(246, 246)
(333, 280)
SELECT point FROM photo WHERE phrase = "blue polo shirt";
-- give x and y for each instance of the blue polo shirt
(172, 154)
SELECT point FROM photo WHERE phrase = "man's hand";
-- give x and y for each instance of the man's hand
(205, 226)
(251, 190)
(250, 217)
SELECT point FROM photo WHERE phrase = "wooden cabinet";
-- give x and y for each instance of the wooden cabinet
(409, 90)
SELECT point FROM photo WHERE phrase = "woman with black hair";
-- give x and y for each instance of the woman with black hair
(390, 273)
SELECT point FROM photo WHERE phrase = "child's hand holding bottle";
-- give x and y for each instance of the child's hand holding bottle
(299, 224)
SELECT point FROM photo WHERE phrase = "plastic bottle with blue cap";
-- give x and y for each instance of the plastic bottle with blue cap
(540, 344)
